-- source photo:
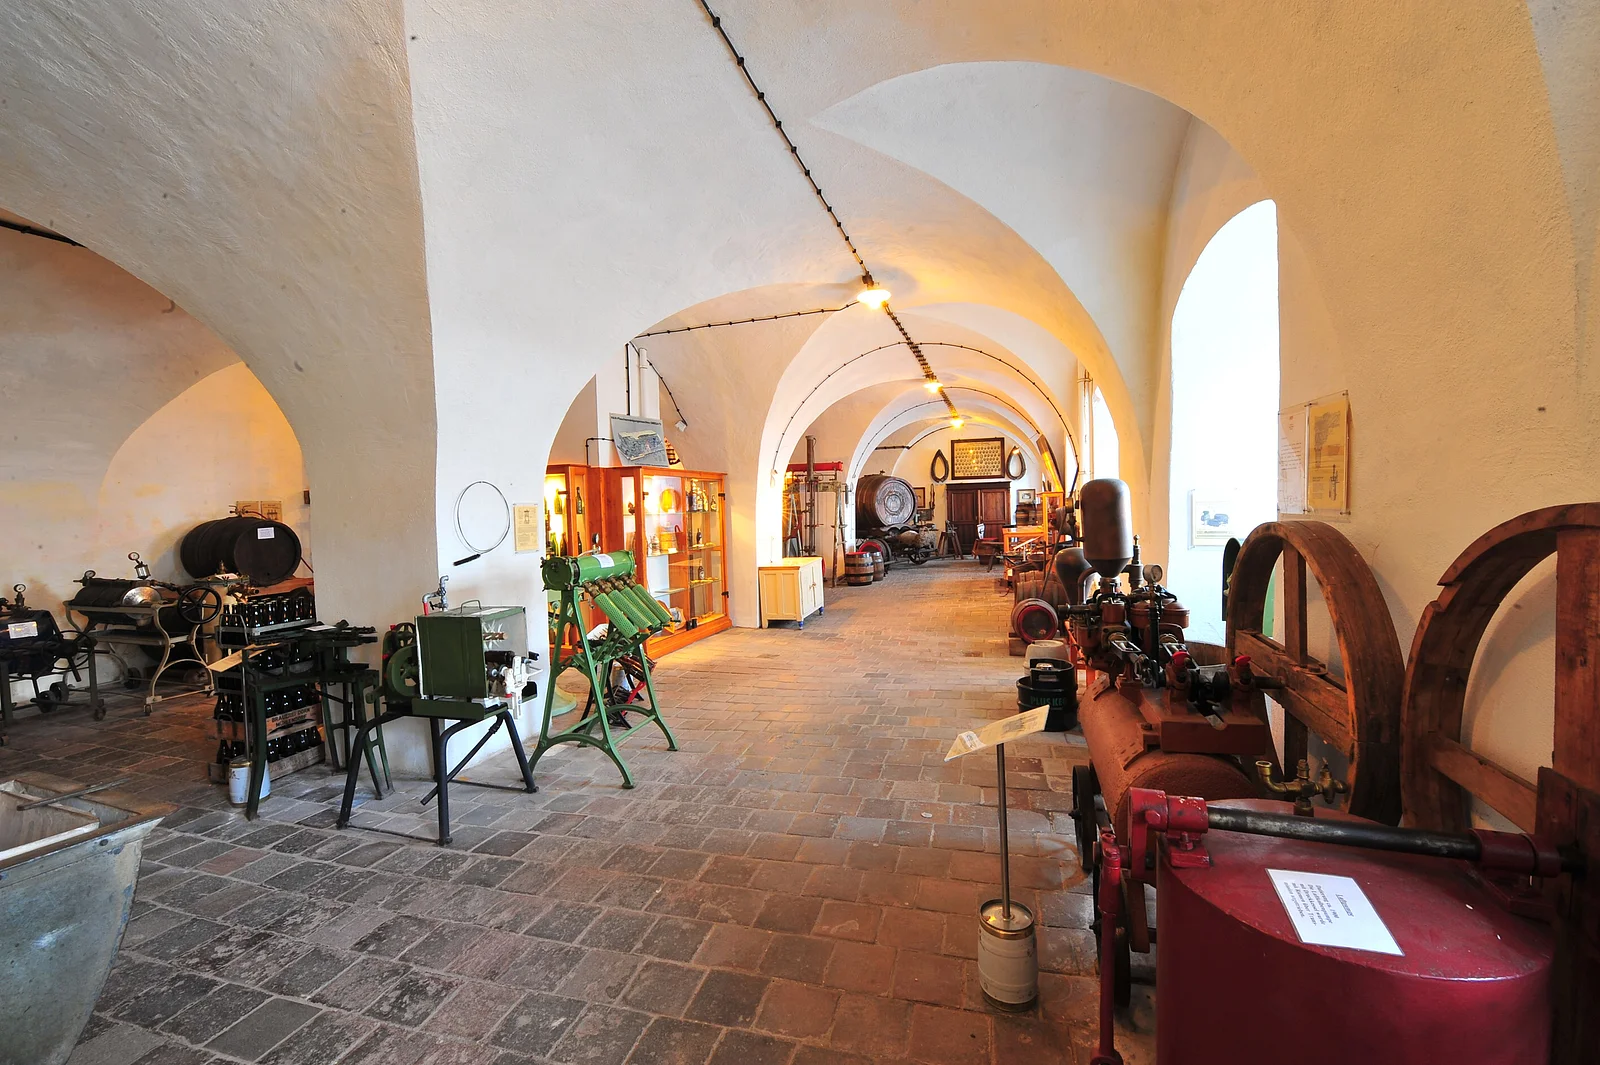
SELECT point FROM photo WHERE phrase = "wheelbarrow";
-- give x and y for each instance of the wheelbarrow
(67, 871)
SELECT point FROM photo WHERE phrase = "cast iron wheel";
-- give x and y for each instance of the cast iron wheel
(1084, 789)
(46, 701)
(199, 605)
(919, 557)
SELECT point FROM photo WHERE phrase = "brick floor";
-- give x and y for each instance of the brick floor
(797, 884)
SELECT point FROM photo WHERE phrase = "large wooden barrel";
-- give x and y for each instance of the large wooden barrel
(857, 568)
(1034, 619)
(264, 551)
(883, 501)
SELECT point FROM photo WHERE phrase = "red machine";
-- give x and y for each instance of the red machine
(1472, 980)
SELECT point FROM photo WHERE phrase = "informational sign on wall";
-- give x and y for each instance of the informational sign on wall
(1213, 520)
(1314, 457)
(525, 526)
(983, 459)
(1328, 465)
(1292, 461)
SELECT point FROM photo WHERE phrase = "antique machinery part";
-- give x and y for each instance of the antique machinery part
(1361, 717)
(400, 671)
(1465, 978)
(1302, 787)
(1440, 772)
(1565, 807)
(199, 604)
(1108, 899)
(1072, 570)
(1107, 525)
(437, 599)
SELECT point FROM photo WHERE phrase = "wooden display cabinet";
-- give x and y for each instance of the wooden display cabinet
(570, 518)
(675, 523)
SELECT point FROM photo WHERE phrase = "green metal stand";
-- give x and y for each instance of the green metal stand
(633, 616)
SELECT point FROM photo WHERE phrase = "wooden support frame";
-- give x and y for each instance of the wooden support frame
(1361, 717)
(1564, 807)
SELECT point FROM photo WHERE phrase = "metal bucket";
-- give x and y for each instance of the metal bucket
(1008, 957)
(64, 901)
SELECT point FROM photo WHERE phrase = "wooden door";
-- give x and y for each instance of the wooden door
(994, 510)
(961, 508)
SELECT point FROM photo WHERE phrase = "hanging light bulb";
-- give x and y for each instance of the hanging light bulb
(932, 384)
(872, 294)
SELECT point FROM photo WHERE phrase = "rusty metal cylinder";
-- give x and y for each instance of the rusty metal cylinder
(1107, 525)
(1114, 730)
(1172, 614)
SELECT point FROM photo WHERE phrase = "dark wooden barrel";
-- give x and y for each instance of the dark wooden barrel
(264, 551)
(883, 501)
(857, 568)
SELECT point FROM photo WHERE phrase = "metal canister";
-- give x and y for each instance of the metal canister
(1008, 956)
(569, 571)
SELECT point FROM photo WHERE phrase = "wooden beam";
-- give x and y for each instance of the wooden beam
(1512, 797)
(1577, 732)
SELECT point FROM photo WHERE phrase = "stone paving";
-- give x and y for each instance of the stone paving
(798, 884)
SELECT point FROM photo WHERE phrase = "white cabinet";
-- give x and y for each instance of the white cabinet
(791, 590)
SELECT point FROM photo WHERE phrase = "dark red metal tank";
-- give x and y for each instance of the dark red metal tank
(1235, 984)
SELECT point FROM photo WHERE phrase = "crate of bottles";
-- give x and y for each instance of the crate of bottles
(294, 738)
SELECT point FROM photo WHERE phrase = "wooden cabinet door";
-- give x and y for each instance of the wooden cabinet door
(994, 509)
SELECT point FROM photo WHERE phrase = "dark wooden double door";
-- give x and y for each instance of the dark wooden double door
(966, 505)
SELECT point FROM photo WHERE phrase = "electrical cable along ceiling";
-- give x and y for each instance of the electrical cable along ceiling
(872, 294)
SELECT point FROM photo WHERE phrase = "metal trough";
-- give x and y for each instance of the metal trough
(67, 873)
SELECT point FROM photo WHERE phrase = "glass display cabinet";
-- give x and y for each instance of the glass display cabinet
(675, 523)
(568, 510)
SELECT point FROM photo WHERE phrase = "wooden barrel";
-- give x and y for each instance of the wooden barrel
(1034, 619)
(880, 568)
(857, 568)
(883, 501)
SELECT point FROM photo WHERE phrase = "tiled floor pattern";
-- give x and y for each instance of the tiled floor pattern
(797, 884)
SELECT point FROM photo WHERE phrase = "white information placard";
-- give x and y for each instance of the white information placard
(1332, 911)
(996, 732)
(22, 630)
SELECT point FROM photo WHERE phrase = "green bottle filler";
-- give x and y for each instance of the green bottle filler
(633, 615)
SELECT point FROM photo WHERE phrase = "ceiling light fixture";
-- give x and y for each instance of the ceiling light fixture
(932, 384)
(957, 422)
(872, 294)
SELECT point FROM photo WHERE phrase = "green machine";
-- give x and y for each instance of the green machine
(633, 615)
(461, 666)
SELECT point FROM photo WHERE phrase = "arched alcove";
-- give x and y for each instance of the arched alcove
(1224, 408)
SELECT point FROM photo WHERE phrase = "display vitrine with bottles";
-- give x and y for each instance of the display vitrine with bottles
(675, 523)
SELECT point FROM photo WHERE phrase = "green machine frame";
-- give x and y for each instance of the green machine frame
(633, 616)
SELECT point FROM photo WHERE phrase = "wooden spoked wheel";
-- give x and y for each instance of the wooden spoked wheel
(1359, 718)
(1440, 772)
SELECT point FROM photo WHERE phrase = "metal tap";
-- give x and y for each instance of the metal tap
(1302, 787)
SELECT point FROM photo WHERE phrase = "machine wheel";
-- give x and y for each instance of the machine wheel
(199, 605)
(919, 557)
(1359, 717)
(400, 671)
(1084, 790)
(46, 701)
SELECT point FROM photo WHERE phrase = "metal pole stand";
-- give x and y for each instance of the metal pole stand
(1008, 955)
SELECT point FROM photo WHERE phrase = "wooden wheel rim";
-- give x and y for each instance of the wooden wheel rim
(1360, 718)
(1438, 768)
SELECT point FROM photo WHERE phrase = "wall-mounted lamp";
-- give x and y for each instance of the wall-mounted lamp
(872, 294)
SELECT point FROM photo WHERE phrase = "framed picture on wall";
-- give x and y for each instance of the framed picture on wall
(1027, 495)
(922, 497)
(1212, 520)
(983, 459)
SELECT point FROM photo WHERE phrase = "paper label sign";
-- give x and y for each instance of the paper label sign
(997, 732)
(1332, 911)
(21, 630)
(604, 560)
(223, 664)
(266, 533)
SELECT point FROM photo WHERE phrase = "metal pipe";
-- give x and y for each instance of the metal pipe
(1005, 837)
(1465, 846)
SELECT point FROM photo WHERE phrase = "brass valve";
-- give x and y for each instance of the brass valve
(1302, 787)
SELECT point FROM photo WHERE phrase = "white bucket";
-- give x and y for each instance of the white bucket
(239, 781)
(1049, 650)
(1008, 956)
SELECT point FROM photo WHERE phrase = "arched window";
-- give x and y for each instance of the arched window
(1224, 407)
